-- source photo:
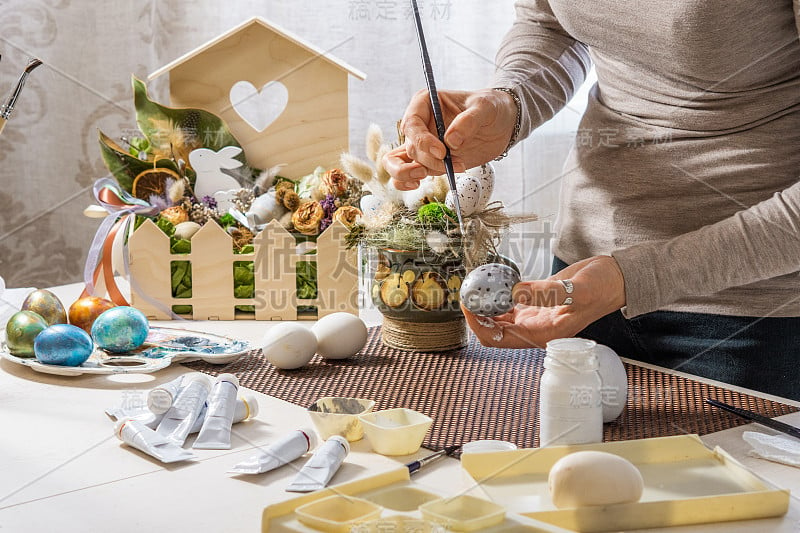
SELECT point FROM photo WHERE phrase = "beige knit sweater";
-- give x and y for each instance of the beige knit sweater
(686, 166)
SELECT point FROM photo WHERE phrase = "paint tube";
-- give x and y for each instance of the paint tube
(221, 407)
(322, 466)
(160, 399)
(279, 453)
(181, 416)
(143, 416)
(246, 408)
(141, 437)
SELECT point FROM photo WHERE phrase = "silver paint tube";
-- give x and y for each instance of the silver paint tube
(322, 466)
(181, 416)
(141, 437)
(246, 408)
(144, 416)
(160, 399)
(221, 407)
(279, 453)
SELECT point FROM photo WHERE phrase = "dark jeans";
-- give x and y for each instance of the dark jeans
(757, 353)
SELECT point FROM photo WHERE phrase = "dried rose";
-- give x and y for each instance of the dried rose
(347, 215)
(334, 182)
(175, 215)
(307, 218)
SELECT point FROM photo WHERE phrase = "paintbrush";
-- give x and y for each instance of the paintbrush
(777, 425)
(8, 107)
(414, 466)
(437, 113)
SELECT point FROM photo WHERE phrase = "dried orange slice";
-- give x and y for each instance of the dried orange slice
(153, 181)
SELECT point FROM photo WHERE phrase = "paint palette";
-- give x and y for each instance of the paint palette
(163, 347)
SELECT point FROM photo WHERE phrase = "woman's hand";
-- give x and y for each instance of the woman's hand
(479, 125)
(539, 317)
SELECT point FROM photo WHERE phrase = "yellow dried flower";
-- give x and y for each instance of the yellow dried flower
(307, 218)
(175, 215)
(291, 200)
(334, 182)
(347, 215)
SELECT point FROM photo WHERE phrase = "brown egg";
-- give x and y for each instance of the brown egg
(85, 311)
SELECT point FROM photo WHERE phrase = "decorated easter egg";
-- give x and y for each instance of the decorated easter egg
(47, 305)
(486, 291)
(339, 335)
(63, 344)
(84, 311)
(289, 345)
(21, 330)
(613, 382)
(469, 194)
(484, 173)
(120, 329)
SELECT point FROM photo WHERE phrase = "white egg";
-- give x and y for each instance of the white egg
(370, 204)
(288, 345)
(485, 173)
(469, 194)
(185, 230)
(265, 208)
(594, 478)
(613, 382)
(340, 335)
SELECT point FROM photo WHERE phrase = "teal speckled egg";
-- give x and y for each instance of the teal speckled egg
(63, 344)
(120, 329)
(47, 305)
(21, 329)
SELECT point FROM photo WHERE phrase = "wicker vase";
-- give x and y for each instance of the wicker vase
(418, 295)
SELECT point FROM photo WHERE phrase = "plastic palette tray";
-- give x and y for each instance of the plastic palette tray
(390, 502)
(685, 483)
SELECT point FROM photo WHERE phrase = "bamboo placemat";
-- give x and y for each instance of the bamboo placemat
(488, 393)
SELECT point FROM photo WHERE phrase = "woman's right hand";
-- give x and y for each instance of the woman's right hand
(479, 125)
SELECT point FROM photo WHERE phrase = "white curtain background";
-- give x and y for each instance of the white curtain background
(49, 156)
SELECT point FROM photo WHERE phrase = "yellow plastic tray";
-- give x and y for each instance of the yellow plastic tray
(399, 498)
(685, 483)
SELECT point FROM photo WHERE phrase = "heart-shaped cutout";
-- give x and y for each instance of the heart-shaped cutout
(259, 108)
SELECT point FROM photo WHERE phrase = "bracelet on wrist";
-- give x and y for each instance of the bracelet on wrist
(517, 122)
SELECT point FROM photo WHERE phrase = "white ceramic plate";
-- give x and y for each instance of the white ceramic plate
(163, 347)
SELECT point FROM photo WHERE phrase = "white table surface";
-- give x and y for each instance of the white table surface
(63, 470)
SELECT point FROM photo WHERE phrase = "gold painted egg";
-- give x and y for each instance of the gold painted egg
(84, 311)
(47, 305)
(21, 330)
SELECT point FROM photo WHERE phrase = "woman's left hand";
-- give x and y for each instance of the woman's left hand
(540, 315)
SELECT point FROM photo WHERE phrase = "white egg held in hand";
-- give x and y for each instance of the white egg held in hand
(594, 478)
(340, 335)
(613, 382)
(289, 346)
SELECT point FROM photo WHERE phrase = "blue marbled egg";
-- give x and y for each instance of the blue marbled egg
(486, 291)
(120, 329)
(63, 344)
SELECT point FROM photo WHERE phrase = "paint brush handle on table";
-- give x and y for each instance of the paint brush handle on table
(414, 466)
(755, 417)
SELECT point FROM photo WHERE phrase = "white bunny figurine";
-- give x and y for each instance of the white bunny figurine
(208, 164)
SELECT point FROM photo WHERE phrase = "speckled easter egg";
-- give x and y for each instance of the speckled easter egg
(120, 329)
(469, 194)
(486, 291)
(484, 173)
(63, 344)
(21, 330)
(47, 305)
(84, 311)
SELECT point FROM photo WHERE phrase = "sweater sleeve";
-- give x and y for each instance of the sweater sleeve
(757, 243)
(541, 62)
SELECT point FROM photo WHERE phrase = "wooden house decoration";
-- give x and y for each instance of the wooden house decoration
(285, 100)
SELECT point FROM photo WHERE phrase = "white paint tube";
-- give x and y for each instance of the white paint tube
(181, 416)
(221, 407)
(322, 466)
(160, 399)
(143, 416)
(141, 437)
(279, 453)
(246, 408)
